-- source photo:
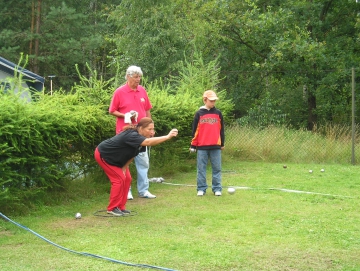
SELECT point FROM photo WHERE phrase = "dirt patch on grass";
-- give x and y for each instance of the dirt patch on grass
(4, 232)
(84, 222)
(295, 260)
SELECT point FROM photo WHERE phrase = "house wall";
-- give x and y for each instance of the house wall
(5, 78)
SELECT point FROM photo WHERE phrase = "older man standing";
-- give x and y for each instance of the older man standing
(130, 103)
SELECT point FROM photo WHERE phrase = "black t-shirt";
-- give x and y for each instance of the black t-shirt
(121, 148)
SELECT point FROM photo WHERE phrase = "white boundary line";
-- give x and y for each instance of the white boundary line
(277, 189)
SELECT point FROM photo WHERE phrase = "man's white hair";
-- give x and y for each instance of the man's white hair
(133, 70)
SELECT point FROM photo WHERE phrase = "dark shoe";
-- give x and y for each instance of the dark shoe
(116, 211)
(126, 211)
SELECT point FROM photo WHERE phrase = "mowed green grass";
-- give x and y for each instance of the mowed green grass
(257, 228)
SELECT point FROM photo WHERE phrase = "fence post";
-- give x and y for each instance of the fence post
(353, 118)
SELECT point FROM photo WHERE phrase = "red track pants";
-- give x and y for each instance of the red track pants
(120, 183)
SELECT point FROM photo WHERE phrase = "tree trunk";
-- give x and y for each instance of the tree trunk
(38, 16)
(312, 117)
(32, 30)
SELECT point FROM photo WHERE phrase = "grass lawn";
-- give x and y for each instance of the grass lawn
(260, 227)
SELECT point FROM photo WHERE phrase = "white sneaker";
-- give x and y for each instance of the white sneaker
(147, 195)
(130, 196)
(200, 193)
(218, 193)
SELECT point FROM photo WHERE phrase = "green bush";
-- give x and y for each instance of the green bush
(43, 141)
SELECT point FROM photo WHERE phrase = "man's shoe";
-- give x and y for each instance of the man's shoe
(218, 193)
(126, 212)
(116, 211)
(200, 193)
(130, 196)
(147, 195)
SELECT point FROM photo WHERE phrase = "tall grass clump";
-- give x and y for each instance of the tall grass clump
(282, 144)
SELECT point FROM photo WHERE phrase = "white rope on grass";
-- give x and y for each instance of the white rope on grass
(277, 189)
(307, 192)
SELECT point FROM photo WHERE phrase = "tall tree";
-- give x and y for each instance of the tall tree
(56, 34)
(295, 50)
(147, 35)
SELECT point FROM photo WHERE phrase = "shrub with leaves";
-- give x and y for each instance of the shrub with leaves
(43, 140)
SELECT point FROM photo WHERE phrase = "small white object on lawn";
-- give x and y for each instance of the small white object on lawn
(322, 170)
(78, 216)
(231, 190)
(310, 171)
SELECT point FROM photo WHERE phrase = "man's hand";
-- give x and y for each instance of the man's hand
(130, 115)
(134, 115)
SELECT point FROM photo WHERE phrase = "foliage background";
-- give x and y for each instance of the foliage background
(298, 54)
